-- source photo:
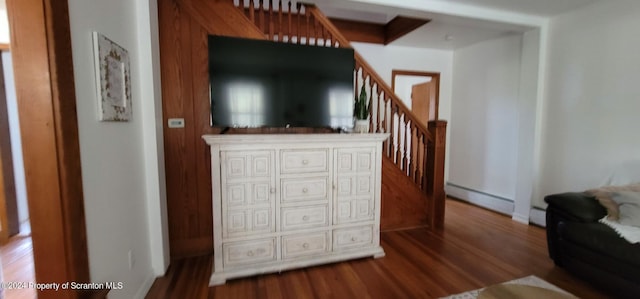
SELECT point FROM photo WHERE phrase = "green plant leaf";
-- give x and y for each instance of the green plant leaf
(361, 109)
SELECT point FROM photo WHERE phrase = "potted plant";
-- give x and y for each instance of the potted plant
(361, 112)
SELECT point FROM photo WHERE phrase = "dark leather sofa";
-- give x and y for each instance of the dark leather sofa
(589, 249)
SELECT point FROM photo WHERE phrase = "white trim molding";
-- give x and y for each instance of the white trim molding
(489, 201)
(524, 219)
(495, 203)
(538, 216)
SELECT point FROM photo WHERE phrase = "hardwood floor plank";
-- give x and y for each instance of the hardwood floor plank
(379, 281)
(477, 248)
(186, 278)
(297, 286)
(405, 267)
(440, 272)
(357, 286)
(270, 287)
(17, 266)
(321, 288)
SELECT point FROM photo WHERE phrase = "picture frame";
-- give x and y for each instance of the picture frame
(113, 79)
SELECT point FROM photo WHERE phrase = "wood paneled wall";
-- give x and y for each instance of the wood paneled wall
(403, 204)
(184, 27)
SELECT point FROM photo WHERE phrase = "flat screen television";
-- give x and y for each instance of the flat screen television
(258, 83)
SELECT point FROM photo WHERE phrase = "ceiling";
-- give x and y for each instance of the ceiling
(445, 31)
(543, 8)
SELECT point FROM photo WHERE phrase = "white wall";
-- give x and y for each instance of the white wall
(484, 120)
(529, 105)
(528, 147)
(14, 121)
(592, 104)
(384, 59)
(16, 142)
(4, 23)
(123, 191)
(148, 42)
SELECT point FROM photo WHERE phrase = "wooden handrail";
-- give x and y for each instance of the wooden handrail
(389, 92)
(326, 23)
(344, 43)
(410, 138)
(414, 148)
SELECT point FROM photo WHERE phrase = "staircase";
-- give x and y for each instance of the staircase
(416, 196)
(413, 163)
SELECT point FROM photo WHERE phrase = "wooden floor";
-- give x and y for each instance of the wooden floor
(477, 248)
(17, 266)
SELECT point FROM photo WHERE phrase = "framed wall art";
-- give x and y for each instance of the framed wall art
(113, 79)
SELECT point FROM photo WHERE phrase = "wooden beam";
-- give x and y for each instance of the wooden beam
(435, 174)
(400, 26)
(358, 31)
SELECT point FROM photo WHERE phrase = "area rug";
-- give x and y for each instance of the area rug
(523, 288)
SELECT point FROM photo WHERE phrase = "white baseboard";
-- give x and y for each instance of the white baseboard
(520, 218)
(145, 287)
(538, 217)
(485, 200)
(495, 203)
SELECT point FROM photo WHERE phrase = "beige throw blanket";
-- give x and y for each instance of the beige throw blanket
(623, 209)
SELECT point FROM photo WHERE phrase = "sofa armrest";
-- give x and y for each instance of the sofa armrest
(576, 206)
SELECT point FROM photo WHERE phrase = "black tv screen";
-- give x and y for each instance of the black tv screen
(257, 83)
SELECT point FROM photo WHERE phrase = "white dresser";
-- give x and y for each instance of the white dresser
(284, 201)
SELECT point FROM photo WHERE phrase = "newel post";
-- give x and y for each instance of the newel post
(435, 173)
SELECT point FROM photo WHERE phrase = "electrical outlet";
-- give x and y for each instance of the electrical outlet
(132, 260)
(175, 123)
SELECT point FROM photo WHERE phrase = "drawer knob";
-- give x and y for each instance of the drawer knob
(272, 190)
(250, 253)
(305, 162)
(353, 239)
(305, 218)
(305, 245)
(305, 190)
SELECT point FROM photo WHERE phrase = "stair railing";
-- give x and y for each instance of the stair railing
(415, 149)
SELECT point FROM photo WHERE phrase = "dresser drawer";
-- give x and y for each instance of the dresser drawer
(352, 185)
(304, 161)
(355, 160)
(304, 217)
(352, 237)
(239, 222)
(247, 164)
(305, 244)
(304, 189)
(248, 252)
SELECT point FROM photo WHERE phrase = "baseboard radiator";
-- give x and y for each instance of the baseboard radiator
(492, 202)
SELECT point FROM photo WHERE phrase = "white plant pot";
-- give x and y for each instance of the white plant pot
(361, 126)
